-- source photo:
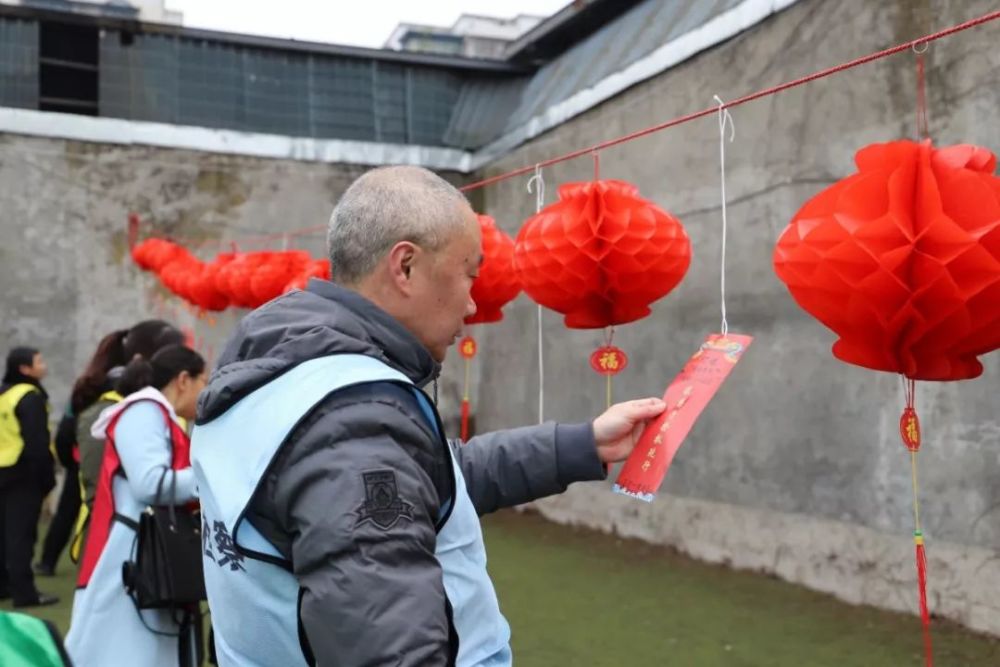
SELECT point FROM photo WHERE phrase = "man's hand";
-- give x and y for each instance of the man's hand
(617, 431)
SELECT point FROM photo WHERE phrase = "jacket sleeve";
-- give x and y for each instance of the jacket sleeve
(143, 444)
(33, 416)
(507, 468)
(361, 512)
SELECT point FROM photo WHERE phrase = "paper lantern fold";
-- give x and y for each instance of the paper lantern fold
(902, 260)
(601, 254)
(497, 283)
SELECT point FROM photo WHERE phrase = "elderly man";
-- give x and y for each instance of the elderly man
(341, 527)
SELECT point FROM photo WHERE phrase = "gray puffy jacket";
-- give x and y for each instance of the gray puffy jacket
(373, 595)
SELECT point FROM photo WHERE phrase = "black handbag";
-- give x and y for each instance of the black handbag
(167, 570)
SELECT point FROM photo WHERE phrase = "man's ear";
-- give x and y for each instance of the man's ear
(401, 259)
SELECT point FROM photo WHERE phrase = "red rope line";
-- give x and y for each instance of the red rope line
(985, 18)
(265, 238)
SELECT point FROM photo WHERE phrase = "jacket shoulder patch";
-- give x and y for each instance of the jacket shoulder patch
(382, 507)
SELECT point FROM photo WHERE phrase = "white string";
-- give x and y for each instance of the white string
(724, 119)
(536, 184)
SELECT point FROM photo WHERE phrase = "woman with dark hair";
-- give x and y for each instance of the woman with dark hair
(27, 472)
(146, 462)
(79, 453)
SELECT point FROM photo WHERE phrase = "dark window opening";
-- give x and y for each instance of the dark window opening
(67, 68)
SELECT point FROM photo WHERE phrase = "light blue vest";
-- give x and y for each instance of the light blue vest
(254, 599)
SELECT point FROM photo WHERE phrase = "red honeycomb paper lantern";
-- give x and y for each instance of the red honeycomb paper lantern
(153, 254)
(319, 268)
(497, 283)
(179, 275)
(204, 288)
(234, 278)
(601, 254)
(275, 272)
(902, 260)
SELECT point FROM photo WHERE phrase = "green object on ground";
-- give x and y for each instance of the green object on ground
(26, 641)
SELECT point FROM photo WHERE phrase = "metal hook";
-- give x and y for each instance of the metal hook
(926, 45)
(538, 181)
(725, 118)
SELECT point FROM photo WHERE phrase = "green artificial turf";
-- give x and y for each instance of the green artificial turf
(574, 597)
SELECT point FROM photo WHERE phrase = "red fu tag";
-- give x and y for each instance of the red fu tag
(608, 360)
(909, 429)
(467, 347)
(686, 398)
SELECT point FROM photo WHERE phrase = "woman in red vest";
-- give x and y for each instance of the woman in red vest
(147, 455)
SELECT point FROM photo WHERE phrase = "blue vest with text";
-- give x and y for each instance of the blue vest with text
(254, 596)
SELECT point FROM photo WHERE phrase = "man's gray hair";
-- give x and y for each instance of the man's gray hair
(385, 206)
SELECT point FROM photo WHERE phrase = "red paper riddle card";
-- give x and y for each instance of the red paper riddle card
(686, 398)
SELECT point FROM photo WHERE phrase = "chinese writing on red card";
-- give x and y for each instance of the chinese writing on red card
(686, 397)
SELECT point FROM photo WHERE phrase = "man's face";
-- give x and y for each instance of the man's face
(38, 368)
(442, 296)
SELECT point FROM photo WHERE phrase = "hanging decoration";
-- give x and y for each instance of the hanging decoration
(601, 254)
(497, 282)
(234, 279)
(902, 261)
(687, 396)
(317, 268)
(467, 348)
(494, 287)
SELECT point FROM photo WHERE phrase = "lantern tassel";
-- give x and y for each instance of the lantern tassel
(909, 430)
(466, 408)
(925, 616)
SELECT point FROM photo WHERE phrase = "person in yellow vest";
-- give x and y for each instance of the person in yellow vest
(27, 472)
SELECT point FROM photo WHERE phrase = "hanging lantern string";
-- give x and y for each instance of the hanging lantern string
(794, 83)
(597, 166)
(910, 432)
(724, 119)
(466, 390)
(609, 336)
(538, 183)
(923, 127)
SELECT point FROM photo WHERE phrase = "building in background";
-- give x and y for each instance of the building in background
(472, 36)
(154, 11)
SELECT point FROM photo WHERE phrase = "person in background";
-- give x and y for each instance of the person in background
(27, 472)
(146, 457)
(94, 387)
(95, 393)
(92, 392)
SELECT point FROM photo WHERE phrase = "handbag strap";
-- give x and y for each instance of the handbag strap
(159, 499)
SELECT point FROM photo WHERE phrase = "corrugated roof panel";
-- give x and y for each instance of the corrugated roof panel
(482, 110)
(614, 47)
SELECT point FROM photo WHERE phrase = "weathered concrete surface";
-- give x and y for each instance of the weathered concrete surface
(65, 272)
(796, 467)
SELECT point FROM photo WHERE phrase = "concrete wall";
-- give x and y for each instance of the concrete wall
(66, 275)
(796, 468)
